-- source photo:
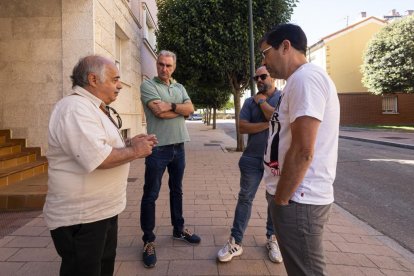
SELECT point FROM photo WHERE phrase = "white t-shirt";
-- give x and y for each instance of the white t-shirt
(81, 137)
(308, 92)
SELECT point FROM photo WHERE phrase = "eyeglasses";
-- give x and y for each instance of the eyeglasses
(108, 113)
(262, 77)
(265, 50)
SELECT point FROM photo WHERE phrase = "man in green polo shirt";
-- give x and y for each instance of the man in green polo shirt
(166, 104)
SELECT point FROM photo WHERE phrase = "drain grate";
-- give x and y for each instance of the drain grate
(132, 179)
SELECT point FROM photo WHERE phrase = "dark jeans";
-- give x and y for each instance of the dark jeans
(87, 249)
(171, 157)
(299, 229)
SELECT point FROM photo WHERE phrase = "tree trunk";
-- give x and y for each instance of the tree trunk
(240, 140)
(214, 117)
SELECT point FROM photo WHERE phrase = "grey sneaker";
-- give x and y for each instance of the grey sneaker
(274, 251)
(230, 249)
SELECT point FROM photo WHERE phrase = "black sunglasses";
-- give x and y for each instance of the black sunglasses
(262, 77)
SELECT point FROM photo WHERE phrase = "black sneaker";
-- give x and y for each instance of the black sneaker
(149, 257)
(187, 236)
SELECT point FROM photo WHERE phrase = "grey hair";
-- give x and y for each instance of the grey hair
(167, 54)
(86, 65)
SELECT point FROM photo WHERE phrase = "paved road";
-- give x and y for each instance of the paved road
(374, 183)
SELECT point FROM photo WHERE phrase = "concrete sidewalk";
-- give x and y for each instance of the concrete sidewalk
(211, 186)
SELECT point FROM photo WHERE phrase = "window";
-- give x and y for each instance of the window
(149, 28)
(122, 54)
(390, 105)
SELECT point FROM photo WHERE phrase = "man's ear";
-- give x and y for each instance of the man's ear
(286, 45)
(92, 79)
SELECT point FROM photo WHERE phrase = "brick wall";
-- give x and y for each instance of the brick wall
(366, 108)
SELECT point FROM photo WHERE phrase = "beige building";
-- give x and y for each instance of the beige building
(41, 41)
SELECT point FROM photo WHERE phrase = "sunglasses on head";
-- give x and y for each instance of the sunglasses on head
(262, 77)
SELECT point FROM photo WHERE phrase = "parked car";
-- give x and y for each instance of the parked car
(195, 117)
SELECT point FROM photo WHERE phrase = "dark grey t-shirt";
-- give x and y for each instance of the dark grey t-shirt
(252, 113)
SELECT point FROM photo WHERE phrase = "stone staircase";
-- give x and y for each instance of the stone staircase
(23, 174)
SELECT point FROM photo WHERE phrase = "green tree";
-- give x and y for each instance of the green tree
(210, 38)
(388, 64)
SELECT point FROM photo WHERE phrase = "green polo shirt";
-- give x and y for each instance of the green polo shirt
(168, 131)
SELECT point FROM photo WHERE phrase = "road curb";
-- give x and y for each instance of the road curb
(378, 142)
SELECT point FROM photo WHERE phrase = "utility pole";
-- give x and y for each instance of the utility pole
(251, 48)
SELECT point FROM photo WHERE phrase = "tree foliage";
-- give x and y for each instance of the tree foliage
(210, 38)
(388, 65)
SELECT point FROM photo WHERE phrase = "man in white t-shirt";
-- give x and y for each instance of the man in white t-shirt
(88, 170)
(301, 154)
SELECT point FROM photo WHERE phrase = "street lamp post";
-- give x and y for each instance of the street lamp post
(251, 48)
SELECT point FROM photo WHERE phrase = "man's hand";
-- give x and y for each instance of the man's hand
(159, 107)
(142, 144)
(259, 96)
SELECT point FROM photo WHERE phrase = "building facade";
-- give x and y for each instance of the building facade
(41, 41)
(341, 55)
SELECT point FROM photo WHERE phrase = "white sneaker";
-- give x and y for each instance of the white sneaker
(230, 249)
(274, 251)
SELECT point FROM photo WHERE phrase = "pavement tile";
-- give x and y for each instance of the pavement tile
(370, 271)
(206, 252)
(10, 268)
(129, 253)
(329, 246)
(192, 267)
(39, 269)
(137, 268)
(175, 253)
(345, 229)
(361, 239)
(125, 241)
(29, 242)
(343, 270)
(243, 267)
(275, 268)
(329, 236)
(6, 240)
(254, 253)
(396, 273)
(29, 231)
(348, 259)
(386, 262)
(35, 255)
(404, 262)
(365, 249)
(5, 253)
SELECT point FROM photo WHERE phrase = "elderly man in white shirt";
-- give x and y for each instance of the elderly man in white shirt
(88, 170)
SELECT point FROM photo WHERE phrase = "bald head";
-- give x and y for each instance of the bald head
(86, 65)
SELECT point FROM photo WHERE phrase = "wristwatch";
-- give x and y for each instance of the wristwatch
(173, 107)
(260, 101)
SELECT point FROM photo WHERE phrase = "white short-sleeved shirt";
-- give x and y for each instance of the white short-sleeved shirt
(308, 92)
(80, 138)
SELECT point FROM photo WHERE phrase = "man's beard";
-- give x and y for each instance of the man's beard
(263, 88)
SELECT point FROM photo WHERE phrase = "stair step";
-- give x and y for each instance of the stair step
(10, 148)
(15, 159)
(21, 172)
(28, 194)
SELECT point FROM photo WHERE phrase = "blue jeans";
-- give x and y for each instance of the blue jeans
(251, 173)
(171, 157)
